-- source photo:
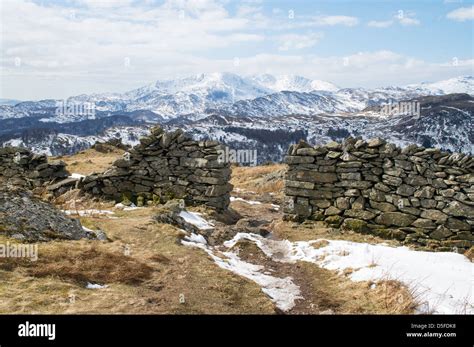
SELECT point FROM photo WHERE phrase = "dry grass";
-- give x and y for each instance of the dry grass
(87, 263)
(90, 160)
(158, 276)
(259, 179)
(311, 230)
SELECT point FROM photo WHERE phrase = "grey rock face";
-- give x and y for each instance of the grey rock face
(26, 217)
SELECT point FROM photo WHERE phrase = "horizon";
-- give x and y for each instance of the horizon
(226, 72)
(60, 48)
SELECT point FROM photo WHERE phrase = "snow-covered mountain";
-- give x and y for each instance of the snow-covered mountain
(463, 84)
(293, 83)
(264, 111)
(197, 96)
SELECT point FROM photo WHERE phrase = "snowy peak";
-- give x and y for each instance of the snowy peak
(293, 83)
(462, 84)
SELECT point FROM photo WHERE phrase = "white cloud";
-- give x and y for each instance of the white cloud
(462, 14)
(62, 54)
(380, 24)
(298, 41)
(402, 17)
(406, 18)
(335, 20)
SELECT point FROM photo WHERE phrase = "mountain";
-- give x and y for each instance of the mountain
(264, 111)
(462, 84)
(293, 83)
(10, 102)
(445, 122)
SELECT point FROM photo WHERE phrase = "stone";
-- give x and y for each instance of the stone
(424, 223)
(35, 220)
(382, 206)
(320, 203)
(457, 224)
(356, 225)
(310, 152)
(435, 215)
(458, 209)
(425, 192)
(333, 155)
(342, 203)
(359, 214)
(331, 211)
(299, 184)
(416, 180)
(299, 159)
(441, 233)
(359, 203)
(395, 218)
(334, 221)
(356, 176)
(405, 190)
(311, 176)
(376, 142)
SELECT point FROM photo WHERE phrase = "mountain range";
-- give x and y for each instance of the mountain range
(266, 112)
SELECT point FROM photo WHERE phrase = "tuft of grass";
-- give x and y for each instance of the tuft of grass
(82, 266)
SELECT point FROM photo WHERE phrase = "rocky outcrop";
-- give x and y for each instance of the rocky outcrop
(166, 166)
(415, 194)
(26, 218)
(21, 167)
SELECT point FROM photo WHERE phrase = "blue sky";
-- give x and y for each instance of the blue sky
(54, 49)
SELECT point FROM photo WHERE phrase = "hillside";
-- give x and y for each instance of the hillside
(147, 266)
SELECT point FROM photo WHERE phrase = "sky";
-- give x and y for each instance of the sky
(56, 49)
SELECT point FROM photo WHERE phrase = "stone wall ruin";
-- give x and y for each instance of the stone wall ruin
(166, 166)
(416, 195)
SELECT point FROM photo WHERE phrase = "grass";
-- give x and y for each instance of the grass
(260, 179)
(154, 276)
(90, 160)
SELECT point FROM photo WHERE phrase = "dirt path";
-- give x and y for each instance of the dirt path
(323, 291)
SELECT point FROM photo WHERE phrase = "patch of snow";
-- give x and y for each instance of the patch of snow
(282, 291)
(76, 175)
(196, 238)
(87, 213)
(250, 202)
(123, 207)
(195, 219)
(95, 286)
(441, 281)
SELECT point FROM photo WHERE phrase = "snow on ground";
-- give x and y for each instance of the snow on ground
(196, 238)
(250, 202)
(88, 213)
(76, 175)
(95, 286)
(123, 207)
(282, 291)
(442, 282)
(195, 219)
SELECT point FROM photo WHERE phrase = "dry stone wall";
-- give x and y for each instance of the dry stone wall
(166, 166)
(21, 167)
(415, 194)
